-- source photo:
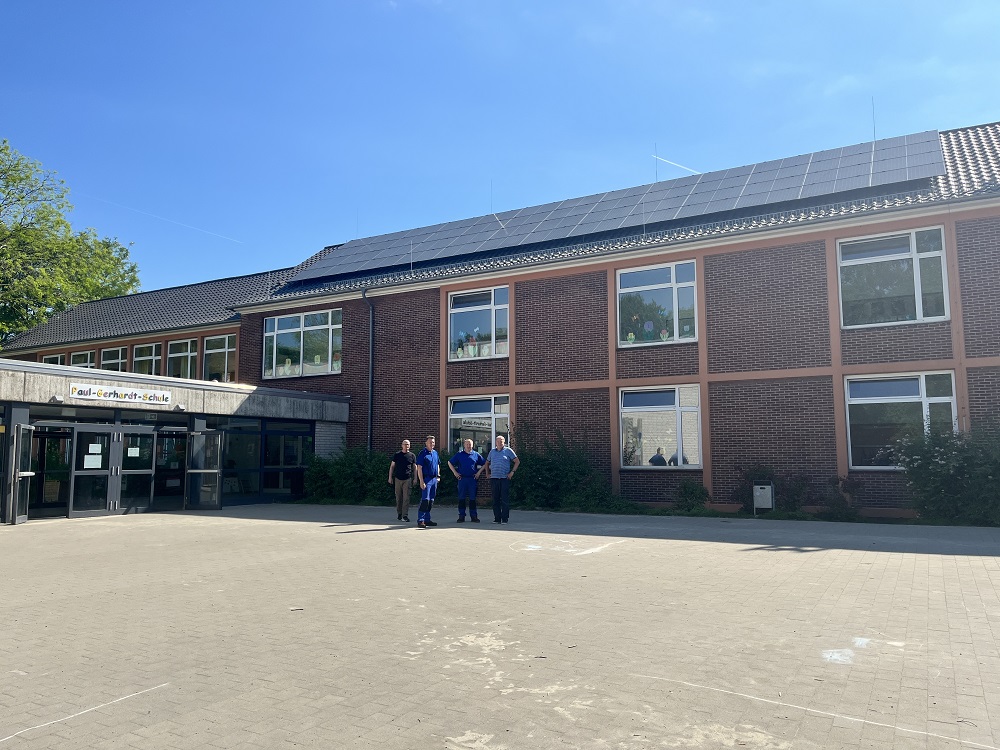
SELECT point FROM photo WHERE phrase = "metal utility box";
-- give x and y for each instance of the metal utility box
(763, 496)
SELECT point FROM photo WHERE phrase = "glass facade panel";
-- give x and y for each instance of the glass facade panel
(656, 305)
(137, 452)
(939, 385)
(878, 292)
(90, 492)
(316, 351)
(876, 248)
(136, 491)
(932, 287)
(940, 417)
(875, 428)
(930, 241)
(646, 277)
(885, 388)
(640, 399)
(477, 324)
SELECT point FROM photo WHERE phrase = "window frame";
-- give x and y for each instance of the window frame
(91, 355)
(923, 399)
(493, 307)
(230, 353)
(675, 285)
(492, 416)
(680, 410)
(60, 359)
(914, 257)
(156, 357)
(192, 367)
(334, 363)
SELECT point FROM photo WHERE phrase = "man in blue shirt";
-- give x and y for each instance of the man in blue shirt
(501, 463)
(467, 465)
(428, 472)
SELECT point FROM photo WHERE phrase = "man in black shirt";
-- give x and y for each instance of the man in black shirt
(401, 479)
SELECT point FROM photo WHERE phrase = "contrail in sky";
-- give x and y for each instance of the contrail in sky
(161, 218)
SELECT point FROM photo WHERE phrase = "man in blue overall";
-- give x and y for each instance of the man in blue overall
(502, 463)
(428, 472)
(467, 465)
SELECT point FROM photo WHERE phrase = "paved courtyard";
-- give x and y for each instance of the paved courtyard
(336, 627)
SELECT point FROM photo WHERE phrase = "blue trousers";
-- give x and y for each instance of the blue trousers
(467, 489)
(427, 495)
(501, 498)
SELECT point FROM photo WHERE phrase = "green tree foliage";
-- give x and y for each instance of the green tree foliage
(46, 267)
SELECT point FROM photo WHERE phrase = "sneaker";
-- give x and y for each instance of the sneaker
(475, 519)
(432, 523)
(399, 517)
(505, 522)
(421, 525)
(406, 518)
(461, 519)
(495, 521)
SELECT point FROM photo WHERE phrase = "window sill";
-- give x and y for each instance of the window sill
(644, 344)
(878, 469)
(896, 324)
(478, 358)
(306, 375)
(684, 467)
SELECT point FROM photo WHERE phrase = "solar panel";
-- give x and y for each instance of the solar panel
(864, 165)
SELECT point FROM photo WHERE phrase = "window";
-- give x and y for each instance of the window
(54, 359)
(482, 419)
(146, 359)
(656, 304)
(306, 344)
(220, 358)
(660, 427)
(114, 359)
(81, 359)
(893, 279)
(182, 358)
(882, 410)
(478, 324)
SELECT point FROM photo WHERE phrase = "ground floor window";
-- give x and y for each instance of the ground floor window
(881, 410)
(480, 419)
(660, 427)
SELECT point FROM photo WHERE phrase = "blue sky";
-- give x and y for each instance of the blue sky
(228, 137)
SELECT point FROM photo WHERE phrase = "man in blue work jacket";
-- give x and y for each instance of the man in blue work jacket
(467, 465)
(428, 472)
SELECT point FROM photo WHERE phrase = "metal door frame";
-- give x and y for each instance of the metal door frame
(19, 474)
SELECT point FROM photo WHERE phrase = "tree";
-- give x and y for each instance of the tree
(46, 267)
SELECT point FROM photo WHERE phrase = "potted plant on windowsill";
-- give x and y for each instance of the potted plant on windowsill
(630, 339)
(335, 363)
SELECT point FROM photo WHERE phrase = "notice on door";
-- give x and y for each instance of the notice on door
(91, 462)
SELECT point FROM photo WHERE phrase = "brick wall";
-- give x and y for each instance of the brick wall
(561, 329)
(478, 373)
(655, 486)
(786, 424)
(978, 261)
(984, 397)
(881, 490)
(657, 361)
(581, 416)
(767, 309)
(903, 343)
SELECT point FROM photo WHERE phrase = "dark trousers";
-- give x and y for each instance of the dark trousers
(501, 498)
(467, 489)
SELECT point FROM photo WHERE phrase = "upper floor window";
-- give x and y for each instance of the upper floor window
(220, 358)
(114, 359)
(660, 427)
(182, 358)
(82, 359)
(146, 358)
(303, 344)
(882, 410)
(893, 278)
(54, 359)
(656, 304)
(477, 324)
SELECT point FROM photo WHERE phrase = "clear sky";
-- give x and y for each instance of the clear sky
(224, 137)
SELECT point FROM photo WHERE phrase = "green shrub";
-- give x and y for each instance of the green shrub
(691, 496)
(954, 476)
(791, 491)
(355, 477)
(837, 498)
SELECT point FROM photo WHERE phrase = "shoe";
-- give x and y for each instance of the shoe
(399, 517)
(461, 519)
(495, 521)
(475, 519)
(505, 522)
(406, 518)
(432, 523)
(421, 525)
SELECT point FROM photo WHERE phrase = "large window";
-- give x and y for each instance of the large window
(480, 419)
(114, 359)
(656, 304)
(477, 324)
(81, 359)
(182, 358)
(894, 278)
(306, 344)
(54, 359)
(882, 410)
(220, 358)
(660, 427)
(146, 358)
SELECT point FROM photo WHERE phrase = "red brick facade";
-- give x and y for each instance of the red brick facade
(984, 397)
(478, 373)
(580, 416)
(979, 264)
(900, 343)
(656, 485)
(882, 490)
(769, 309)
(657, 361)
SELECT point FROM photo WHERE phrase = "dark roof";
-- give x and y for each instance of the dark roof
(173, 308)
(971, 169)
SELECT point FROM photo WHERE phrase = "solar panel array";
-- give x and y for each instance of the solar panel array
(866, 165)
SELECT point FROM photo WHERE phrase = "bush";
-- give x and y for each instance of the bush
(837, 498)
(791, 491)
(691, 496)
(355, 477)
(954, 476)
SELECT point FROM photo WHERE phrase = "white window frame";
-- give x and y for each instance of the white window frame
(121, 360)
(334, 362)
(923, 399)
(493, 307)
(156, 357)
(675, 285)
(680, 410)
(493, 416)
(192, 358)
(54, 359)
(915, 257)
(90, 355)
(229, 351)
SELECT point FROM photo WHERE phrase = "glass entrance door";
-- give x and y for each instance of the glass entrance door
(171, 467)
(24, 472)
(52, 457)
(92, 471)
(204, 453)
(135, 491)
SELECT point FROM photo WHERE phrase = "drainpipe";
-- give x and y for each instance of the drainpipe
(371, 363)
